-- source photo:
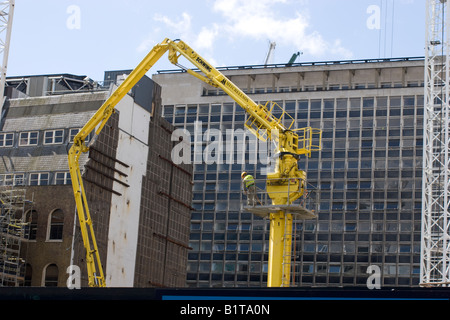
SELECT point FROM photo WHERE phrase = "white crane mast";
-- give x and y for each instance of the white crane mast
(6, 19)
(269, 55)
(435, 242)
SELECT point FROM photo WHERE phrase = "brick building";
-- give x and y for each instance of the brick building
(139, 200)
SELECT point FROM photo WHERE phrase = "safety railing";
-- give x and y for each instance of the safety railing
(262, 202)
(309, 139)
(277, 117)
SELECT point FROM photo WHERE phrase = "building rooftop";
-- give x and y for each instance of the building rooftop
(303, 64)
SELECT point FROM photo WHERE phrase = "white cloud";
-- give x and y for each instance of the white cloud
(181, 27)
(258, 19)
(148, 42)
(206, 37)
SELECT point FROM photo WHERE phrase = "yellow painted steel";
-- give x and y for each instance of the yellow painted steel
(261, 121)
(276, 250)
(96, 277)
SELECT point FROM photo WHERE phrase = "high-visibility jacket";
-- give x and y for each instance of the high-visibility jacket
(248, 181)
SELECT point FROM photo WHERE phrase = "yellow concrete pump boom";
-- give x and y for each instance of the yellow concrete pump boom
(261, 121)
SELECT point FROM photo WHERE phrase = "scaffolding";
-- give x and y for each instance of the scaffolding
(13, 231)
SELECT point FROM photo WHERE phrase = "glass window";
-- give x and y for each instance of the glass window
(350, 226)
(368, 102)
(228, 107)
(408, 101)
(12, 179)
(28, 138)
(62, 178)
(405, 248)
(168, 110)
(19, 179)
(192, 109)
(180, 110)
(39, 179)
(316, 105)
(51, 276)
(289, 106)
(204, 109)
(334, 269)
(354, 124)
(53, 136)
(395, 101)
(328, 104)
(56, 225)
(381, 102)
(341, 103)
(215, 108)
(6, 139)
(355, 103)
(303, 105)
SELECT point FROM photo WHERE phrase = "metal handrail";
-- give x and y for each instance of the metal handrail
(263, 198)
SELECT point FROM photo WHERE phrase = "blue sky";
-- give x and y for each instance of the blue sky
(87, 37)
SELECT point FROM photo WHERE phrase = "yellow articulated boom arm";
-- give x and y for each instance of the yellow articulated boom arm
(261, 122)
(96, 277)
(265, 125)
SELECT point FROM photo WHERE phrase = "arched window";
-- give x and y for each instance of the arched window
(51, 276)
(32, 219)
(56, 225)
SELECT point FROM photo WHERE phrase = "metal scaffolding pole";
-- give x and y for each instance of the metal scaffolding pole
(13, 231)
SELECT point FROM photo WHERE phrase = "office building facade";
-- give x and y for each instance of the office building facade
(365, 183)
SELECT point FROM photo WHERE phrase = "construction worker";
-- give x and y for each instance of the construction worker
(249, 188)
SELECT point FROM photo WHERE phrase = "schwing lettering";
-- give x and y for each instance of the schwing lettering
(203, 63)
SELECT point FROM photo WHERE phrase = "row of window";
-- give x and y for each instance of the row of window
(232, 266)
(244, 280)
(395, 103)
(240, 250)
(49, 278)
(338, 197)
(35, 179)
(331, 87)
(31, 138)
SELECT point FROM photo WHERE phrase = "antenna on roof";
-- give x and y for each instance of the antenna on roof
(269, 56)
(294, 56)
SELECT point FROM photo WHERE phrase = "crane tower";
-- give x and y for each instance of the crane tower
(435, 242)
(6, 19)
